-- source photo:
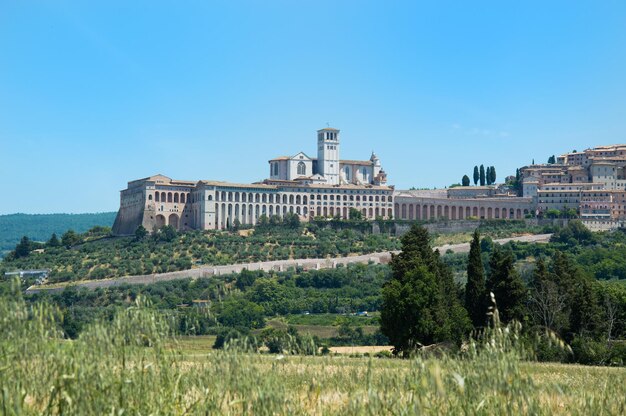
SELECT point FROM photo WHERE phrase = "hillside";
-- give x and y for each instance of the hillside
(98, 256)
(39, 227)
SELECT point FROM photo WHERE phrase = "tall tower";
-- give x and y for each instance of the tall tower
(328, 154)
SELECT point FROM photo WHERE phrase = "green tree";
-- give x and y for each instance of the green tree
(465, 181)
(475, 295)
(492, 174)
(70, 238)
(420, 306)
(355, 214)
(167, 233)
(507, 286)
(482, 175)
(488, 175)
(140, 233)
(476, 175)
(23, 248)
(54, 241)
(551, 160)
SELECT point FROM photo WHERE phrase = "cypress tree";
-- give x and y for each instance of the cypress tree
(488, 175)
(475, 296)
(23, 248)
(420, 304)
(54, 241)
(482, 175)
(465, 181)
(476, 175)
(492, 173)
(506, 285)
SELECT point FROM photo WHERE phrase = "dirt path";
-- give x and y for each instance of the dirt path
(277, 265)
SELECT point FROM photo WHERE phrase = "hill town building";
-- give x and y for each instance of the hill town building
(592, 182)
(324, 186)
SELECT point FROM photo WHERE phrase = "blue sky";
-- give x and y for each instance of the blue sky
(94, 94)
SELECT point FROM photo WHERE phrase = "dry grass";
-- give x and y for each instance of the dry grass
(372, 349)
(130, 366)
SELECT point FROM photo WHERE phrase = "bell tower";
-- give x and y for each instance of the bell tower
(328, 154)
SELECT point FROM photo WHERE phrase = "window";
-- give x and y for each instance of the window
(301, 168)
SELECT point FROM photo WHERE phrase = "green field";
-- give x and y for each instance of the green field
(131, 365)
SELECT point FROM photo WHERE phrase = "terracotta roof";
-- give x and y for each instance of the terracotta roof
(356, 162)
(237, 185)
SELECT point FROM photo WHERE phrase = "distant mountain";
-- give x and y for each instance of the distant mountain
(39, 227)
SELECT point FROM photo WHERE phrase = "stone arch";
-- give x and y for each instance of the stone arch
(396, 207)
(389, 213)
(298, 200)
(439, 212)
(432, 213)
(176, 200)
(496, 212)
(411, 211)
(489, 212)
(482, 212)
(403, 211)
(304, 200)
(371, 211)
(157, 197)
(169, 197)
(518, 214)
(173, 221)
(475, 212)
(160, 221)
(446, 212)
(453, 213)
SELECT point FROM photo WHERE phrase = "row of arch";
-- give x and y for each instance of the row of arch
(437, 211)
(174, 197)
(248, 214)
(227, 213)
(172, 219)
(266, 198)
(270, 198)
(224, 196)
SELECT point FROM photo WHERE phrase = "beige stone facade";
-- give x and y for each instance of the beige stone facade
(436, 204)
(296, 186)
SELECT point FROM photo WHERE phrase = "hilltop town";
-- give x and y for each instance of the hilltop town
(590, 185)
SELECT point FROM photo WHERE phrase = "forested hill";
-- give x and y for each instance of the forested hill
(39, 227)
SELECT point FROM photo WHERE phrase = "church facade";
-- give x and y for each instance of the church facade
(325, 186)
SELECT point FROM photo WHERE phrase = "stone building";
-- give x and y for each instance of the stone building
(325, 186)
(591, 182)
(445, 204)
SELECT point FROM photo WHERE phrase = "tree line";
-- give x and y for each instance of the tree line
(422, 305)
(482, 175)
